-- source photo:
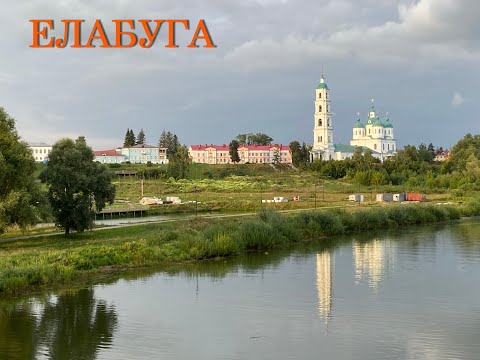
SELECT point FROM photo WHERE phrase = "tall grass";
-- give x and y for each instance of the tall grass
(31, 264)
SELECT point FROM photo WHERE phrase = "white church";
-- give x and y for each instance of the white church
(376, 134)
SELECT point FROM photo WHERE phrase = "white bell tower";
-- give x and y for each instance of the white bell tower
(323, 127)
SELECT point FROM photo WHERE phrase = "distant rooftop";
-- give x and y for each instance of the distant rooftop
(38, 144)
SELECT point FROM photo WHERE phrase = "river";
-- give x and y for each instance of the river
(407, 294)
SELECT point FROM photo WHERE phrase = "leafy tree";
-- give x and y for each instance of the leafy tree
(19, 193)
(77, 186)
(169, 141)
(300, 153)
(254, 139)
(179, 163)
(233, 151)
(141, 140)
(295, 151)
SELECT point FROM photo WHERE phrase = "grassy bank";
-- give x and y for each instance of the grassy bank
(28, 265)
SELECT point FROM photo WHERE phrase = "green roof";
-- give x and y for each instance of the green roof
(350, 148)
(358, 124)
(375, 121)
(322, 85)
(387, 123)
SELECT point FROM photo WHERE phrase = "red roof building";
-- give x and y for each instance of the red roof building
(253, 154)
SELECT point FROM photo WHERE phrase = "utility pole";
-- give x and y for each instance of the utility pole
(323, 191)
(196, 201)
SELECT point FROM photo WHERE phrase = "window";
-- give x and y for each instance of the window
(319, 95)
(320, 108)
(328, 121)
(319, 122)
(368, 131)
(375, 146)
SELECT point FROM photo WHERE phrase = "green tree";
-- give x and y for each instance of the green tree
(254, 139)
(19, 193)
(169, 141)
(77, 186)
(242, 139)
(179, 163)
(233, 151)
(129, 138)
(141, 139)
(296, 152)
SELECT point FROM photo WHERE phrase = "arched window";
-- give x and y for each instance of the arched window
(319, 95)
(320, 108)
(319, 122)
(321, 138)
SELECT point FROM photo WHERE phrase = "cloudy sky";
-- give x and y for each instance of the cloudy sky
(417, 59)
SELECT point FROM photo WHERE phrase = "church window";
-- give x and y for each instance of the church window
(319, 122)
(375, 146)
(319, 95)
(320, 108)
(383, 147)
(318, 139)
(368, 131)
(328, 121)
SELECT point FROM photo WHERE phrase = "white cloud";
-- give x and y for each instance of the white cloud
(426, 32)
(457, 99)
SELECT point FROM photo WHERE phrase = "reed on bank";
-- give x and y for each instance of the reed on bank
(27, 265)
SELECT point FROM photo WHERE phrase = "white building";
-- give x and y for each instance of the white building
(40, 151)
(137, 154)
(376, 136)
(109, 157)
(323, 148)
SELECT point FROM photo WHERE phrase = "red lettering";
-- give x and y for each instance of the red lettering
(119, 34)
(202, 28)
(43, 33)
(171, 31)
(151, 36)
(98, 27)
(61, 43)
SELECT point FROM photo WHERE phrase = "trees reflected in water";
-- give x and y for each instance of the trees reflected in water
(73, 325)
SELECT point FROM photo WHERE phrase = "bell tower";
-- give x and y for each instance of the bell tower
(323, 125)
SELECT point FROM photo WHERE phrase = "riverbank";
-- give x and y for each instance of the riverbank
(31, 264)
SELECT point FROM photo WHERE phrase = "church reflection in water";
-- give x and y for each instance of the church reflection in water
(324, 284)
(371, 260)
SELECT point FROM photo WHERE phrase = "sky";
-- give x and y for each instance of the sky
(417, 59)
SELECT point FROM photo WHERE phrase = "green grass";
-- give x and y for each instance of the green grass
(32, 264)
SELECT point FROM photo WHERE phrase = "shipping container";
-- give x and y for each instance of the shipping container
(399, 197)
(356, 198)
(416, 197)
(384, 197)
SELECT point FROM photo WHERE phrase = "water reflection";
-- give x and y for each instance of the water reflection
(73, 325)
(371, 259)
(324, 284)
(395, 295)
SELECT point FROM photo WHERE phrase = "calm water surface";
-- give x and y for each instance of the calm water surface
(410, 294)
